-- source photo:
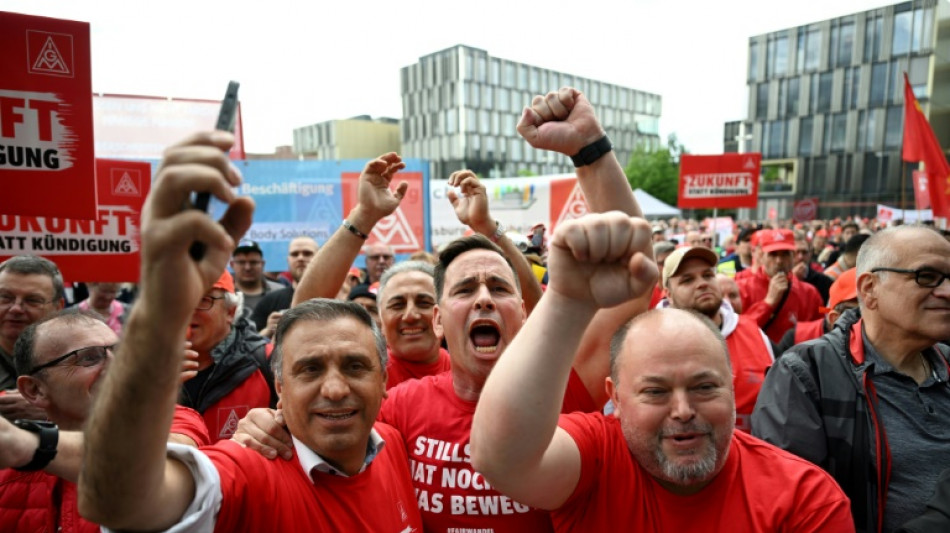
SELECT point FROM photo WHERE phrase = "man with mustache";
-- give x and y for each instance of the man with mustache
(669, 458)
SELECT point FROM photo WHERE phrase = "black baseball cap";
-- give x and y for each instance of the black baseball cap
(247, 245)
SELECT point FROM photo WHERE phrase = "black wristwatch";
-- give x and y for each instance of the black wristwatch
(49, 439)
(592, 152)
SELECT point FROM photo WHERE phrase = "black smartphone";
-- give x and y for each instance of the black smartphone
(226, 117)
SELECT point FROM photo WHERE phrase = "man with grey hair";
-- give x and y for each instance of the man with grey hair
(331, 384)
(233, 371)
(869, 401)
(406, 301)
(669, 458)
(31, 288)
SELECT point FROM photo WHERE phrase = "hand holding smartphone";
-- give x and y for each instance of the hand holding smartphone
(226, 117)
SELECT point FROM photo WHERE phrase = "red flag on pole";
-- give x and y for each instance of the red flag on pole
(921, 190)
(920, 144)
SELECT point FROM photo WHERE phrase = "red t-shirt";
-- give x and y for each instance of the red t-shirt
(436, 425)
(750, 359)
(265, 495)
(399, 370)
(189, 423)
(760, 488)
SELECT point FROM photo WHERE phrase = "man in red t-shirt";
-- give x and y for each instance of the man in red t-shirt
(669, 458)
(329, 363)
(773, 297)
(60, 360)
(689, 276)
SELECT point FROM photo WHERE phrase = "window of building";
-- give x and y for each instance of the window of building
(813, 49)
(495, 74)
(893, 127)
(451, 121)
(873, 32)
(777, 57)
(474, 95)
(819, 173)
(878, 84)
(516, 147)
(753, 60)
(902, 32)
(471, 120)
(791, 103)
(852, 84)
(895, 86)
(824, 92)
(509, 78)
(522, 76)
(813, 94)
(919, 69)
(481, 68)
(484, 122)
(774, 139)
(842, 44)
(805, 131)
(535, 84)
(762, 100)
(839, 128)
(489, 100)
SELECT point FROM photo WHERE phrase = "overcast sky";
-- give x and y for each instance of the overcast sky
(305, 62)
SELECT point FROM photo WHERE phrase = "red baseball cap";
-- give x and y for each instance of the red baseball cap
(773, 240)
(225, 282)
(843, 289)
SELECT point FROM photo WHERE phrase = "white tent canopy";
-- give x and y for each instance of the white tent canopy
(654, 208)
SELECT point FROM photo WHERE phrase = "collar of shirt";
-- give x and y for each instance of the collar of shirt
(312, 462)
(938, 370)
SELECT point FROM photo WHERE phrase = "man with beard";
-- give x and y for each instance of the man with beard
(689, 277)
(270, 308)
(669, 458)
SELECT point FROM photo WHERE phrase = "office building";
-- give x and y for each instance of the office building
(359, 137)
(826, 106)
(461, 105)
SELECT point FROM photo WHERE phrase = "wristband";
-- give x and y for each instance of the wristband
(498, 234)
(352, 229)
(49, 439)
(592, 152)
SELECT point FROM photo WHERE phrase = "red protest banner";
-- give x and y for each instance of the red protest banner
(921, 190)
(104, 249)
(727, 180)
(47, 166)
(404, 230)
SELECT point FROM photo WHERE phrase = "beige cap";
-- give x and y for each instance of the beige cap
(672, 263)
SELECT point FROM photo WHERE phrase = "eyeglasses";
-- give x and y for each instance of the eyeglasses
(252, 264)
(380, 257)
(207, 302)
(925, 277)
(84, 357)
(30, 302)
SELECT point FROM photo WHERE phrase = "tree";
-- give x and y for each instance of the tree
(657, 172)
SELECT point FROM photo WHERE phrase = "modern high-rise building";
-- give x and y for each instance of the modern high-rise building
(826, 106)
(359, 137)
(461, 105)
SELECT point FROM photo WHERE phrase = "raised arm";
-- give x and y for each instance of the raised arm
(326, 273)
(597, 261)
(471, 208)
(127, 482)
(564, 122)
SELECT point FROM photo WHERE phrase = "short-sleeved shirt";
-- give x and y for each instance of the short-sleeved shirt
(760, 488)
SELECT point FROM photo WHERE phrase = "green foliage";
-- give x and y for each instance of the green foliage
(525, 173)
(657, 172)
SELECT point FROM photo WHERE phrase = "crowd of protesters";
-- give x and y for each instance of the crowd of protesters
(612, 373)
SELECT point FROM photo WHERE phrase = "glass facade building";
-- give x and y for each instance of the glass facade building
(460, 108)
(826, 105)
